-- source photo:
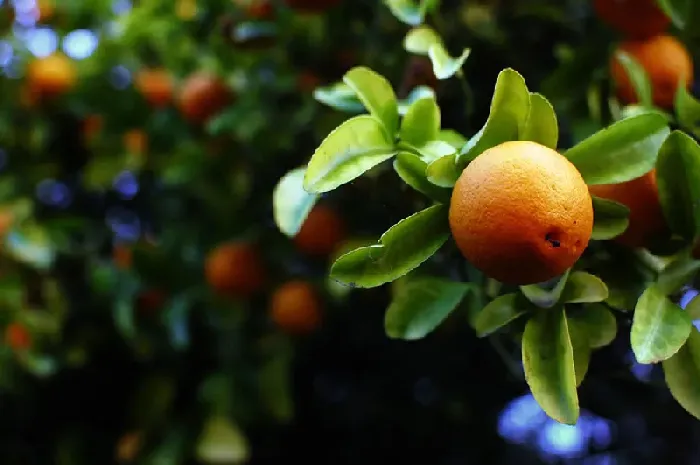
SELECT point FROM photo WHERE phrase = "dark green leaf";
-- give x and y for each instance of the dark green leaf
(542, 126)
(638, 77)
(611, 218)
(693, 308)
(421, 123)
(443, 172)
(659, 327)
(677, 274)
(621, 152)
(582, 287)
(354, 147)
(687, 109)
(545, 295)
(420, 305)
(404, 247)
(412, 170)
(498, 313)
(581, 347)
(548, 359)
(682, 372)
(599, 323)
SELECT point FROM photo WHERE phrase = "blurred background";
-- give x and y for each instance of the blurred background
(154, 314)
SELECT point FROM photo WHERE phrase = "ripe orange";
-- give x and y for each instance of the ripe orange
(136, 141)
(202, 96)
(235, 269)
(17, 337)
(322, 231)
(637, 19)
(296, 308)
(641, 196)
(7, 220)
(51, 76)
(311, 6)
(665, 60)
(156, 86)
(521, 213)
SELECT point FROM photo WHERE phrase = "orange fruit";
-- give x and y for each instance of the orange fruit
(521, 213)
(235, 269)
(51, 76)
(156, 86)
(129, 446)
(44, 10)
(136, 141)
(636, 19)
(321, 233)
(296, 308)
(311, 6)
(122, 256)
(202, 96)
(666, 62)
(92, 125)
(17, 337)
(7, 220)
(641, 196)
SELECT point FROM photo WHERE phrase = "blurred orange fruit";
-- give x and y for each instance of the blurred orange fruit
(129, 447)
(521, 213)
(51, 76)
(641, 196)
(296, 308)
(44, 10)
(636, 19)
(156, 86)
(308, 81)
(235, 269)
(321, 233)
(136, 141)
(17, 337)
(202, 96)
(666, 61)
(122, 256)
(7, 219)
(92, 125)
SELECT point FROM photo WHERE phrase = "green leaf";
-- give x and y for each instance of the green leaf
(453, 138)
(638, 77)
(510, 108)
(420, 39)
(683, 13)
(548, 294)
(611, 218)
(659, 327)
(687, 110)
(445, 66)
(582, 287)
(412, 170)
(693, 308)
(291, 203)
(498, 313)
(541, 125)
(548, 359)
(433, 150)
(678, 180)
(31, 244)
(443, 172)
(599, 323)
(417, 93)
(420, 305)
(376, 94)
(677, 274)
(275, 387)
(621, 152)
(222, 441)
(581, 347)
(406, 11)
(421, 123)
(352, 148)
(339, 96)
(682, 373)
(403, 248)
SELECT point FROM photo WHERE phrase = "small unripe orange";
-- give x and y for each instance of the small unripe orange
(156, 86)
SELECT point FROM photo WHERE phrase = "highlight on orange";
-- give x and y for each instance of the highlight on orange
(295, 307)
(156, 85)
(321, 233)
(665, 60)
(235, 269)
(51, 76)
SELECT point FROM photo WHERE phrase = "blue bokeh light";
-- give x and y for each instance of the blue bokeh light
(125, 224)
(6, 53)
(42, 41)
(126, 184)
(54, 193)
(120, 77)
(80, 44)
(120, 7)
(524, 422)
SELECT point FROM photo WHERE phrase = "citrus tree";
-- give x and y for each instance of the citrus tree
(559, 249)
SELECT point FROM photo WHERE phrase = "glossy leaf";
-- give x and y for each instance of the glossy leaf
(420, 305)
(659, 327)
(610, 218)
(354, 147)
(453, 138)
(410, 12)
(421, 123)
(678, 180)
(498, 313)
(687, 110)
(677, 274)
(548, 359)
(510, 108)
(541, 126)
(693, 308)
(417, 93)
(291, 203)
(599, 323)
(638, 77)
(376, 94)
(682, 373)
(403, 248)
(582, 287)
(420, 39)
(445, 66)
(581, 347)
(412, 170)
(546, 295)
(339, 96)
(443, 172)
(621, 152)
